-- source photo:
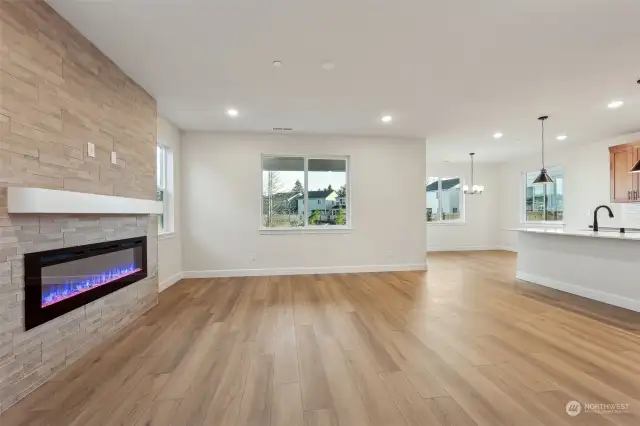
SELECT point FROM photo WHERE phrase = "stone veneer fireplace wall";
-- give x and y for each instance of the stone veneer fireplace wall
(58, 92)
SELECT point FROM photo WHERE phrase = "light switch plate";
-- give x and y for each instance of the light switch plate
(91, 150)
(114, 158)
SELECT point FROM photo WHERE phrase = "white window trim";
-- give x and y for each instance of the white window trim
(463, 207)
(313, 229)
(543, 224)
(523, 204)
(306, 228)
(168, 197)
(457, 222)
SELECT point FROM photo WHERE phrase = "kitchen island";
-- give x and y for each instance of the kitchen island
(603, 266)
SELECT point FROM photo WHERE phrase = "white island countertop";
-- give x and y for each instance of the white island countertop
(601, 265)
(609, 234)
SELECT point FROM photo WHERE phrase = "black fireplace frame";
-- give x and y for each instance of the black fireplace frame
(35, 314)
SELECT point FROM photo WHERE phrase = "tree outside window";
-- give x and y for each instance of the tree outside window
(290, 183)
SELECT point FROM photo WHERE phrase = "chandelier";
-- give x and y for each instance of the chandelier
(475, 189)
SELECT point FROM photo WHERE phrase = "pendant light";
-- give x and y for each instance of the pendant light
(543, 178)
(636, 168)
(475, 189)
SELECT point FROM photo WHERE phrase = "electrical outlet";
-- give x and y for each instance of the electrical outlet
(114, 158)
(91, 150)
(254, 256)
(389, 253)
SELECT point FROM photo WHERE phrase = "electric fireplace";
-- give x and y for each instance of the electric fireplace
(59, 281)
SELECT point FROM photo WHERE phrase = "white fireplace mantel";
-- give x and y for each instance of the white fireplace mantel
(44, 201)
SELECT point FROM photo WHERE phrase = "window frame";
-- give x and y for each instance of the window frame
(523, 203)
(306, 226)
(165, 172)
(439, 221)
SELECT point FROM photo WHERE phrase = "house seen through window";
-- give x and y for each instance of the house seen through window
(444, 199)
(290, 183)
(544, 203)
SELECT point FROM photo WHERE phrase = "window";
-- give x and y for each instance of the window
(290, 183)
(444, 199)
(544, 203)
(164, 184)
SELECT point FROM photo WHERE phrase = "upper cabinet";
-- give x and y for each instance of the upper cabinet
(625, 186)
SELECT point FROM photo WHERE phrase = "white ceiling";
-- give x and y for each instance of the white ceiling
(451, 71)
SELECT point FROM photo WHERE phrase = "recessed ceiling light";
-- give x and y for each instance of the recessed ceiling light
(277, 64)
(386, 119)
(561, 137)
(497, 135)
(232, 112)
(615, 104)
(328, 66)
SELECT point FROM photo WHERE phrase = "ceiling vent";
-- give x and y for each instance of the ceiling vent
(282, 129)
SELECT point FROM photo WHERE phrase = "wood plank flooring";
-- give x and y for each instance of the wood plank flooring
(462, 344)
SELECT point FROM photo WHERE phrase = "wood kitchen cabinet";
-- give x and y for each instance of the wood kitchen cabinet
(625, 186)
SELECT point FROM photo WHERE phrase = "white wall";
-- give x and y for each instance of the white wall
(222, 197)
(169, 246)
(480, 228)
(586, 186)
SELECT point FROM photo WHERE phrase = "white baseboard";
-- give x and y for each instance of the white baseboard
(170, 281)
(464, 248)
(507, 248)
(304, 270)
(600, 296)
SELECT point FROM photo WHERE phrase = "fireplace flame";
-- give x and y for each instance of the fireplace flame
(54, 293)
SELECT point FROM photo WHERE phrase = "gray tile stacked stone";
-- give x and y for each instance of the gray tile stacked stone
(57, 93)
(28, 359)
